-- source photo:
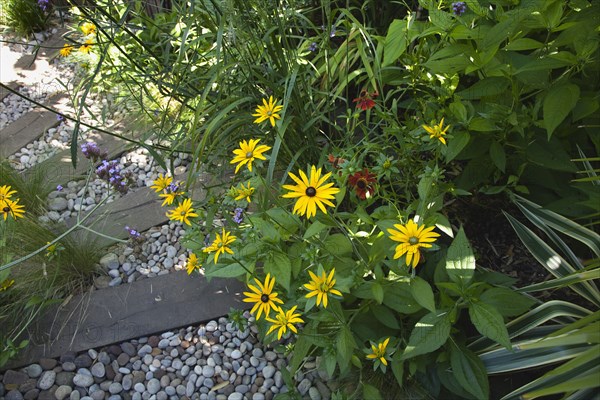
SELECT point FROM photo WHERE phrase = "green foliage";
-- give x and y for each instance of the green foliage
(23, 16)
(573, 337)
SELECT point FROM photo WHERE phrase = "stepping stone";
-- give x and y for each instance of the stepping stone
(5, 92)
(29, 127)
(142, 308)
(48, 50)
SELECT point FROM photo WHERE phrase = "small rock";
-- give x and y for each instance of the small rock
(108, 259)
(83, 380)
(153, 386)
(13, 395)
(314, 394)
(304, 386)
(98, 370)
(268, 371)
(46, 380)
(62, 392)
(15, 377)
(57, 204)
(34, 371)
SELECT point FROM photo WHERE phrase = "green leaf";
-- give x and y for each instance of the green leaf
(287, 221)
(422, 293)
(338, 244)
(460, 261)
(558, 103)
(459, 140)
(428, 335)
(314, 229)
(268, 231)
(329, 362)
(396, 42)
(441, 19)
(302, 346)
(470, 372)
(385, 316)
(498, 156)
(371, 392)
(345, 345)
(377, 292)
(489, 323)
(524, 44)
(233, 270)
(550, 155)
(399, 298)
(486, 87)
(459, 110)
(508, 302)
(481, 124)
(398, 368)
(280, 267)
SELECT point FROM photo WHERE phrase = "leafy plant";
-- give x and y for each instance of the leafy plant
(23, 16)
(556, 332)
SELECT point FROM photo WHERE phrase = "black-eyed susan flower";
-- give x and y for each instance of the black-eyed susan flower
(378, 352)
(161, 183)
(88, 28)
(219, 246)
(268, 111)
(363, 183)
(12, 208)
(412, 237)
(66, 50)
(322, 286)
(182, 212)
(244, 192)
(192, 264)
(247, 152)
(86, 47)
(311, 192)
(437, 131)
(263, 297)
(285, 320)
(6, 192)
(6, 283)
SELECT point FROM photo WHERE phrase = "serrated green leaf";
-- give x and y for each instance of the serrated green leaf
(428, 335)
(558, 103)
(314, 229)
(470, 372)
(371, 392)
(396, 42)
(422, 293)
(338, 244)
(385, 316)
(398, 298)
(377, 291)
(280, 267)
(345, 346)
(486, 87)
(233, 270)
(459, 141)
(523, 44)
(508, 302)
(489, 322)
(460, 261)
(498, 156)
(398, 368)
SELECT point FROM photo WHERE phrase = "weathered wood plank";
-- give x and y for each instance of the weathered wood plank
(4, 92)
(142, 308)
(29, 127)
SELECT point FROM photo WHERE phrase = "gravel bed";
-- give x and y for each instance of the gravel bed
(213, 361)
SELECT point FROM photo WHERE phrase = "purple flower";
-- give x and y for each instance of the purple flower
(238, 216)
(132, 232)
(92, 152)
(43, 4)
(110, 172)
(459, 8)
(313, 47)
(59, 188)
(59, 117)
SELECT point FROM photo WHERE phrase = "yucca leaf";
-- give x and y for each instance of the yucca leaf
(562, 282)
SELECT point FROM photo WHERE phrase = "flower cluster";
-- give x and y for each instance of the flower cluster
(6, 283)
(437, 131)
(459, 8)
(238, 215)
(133, 234)
(91, 151)
(43, 4)
(412, 237)
(111, 173)
(365, 100)
(10, 206)
(66, 50)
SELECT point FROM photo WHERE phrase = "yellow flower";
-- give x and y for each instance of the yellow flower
(182, 212)
(268, 111)
(5, 284)
(66, 50)
(244, 192)
(321, 286)
(284, 320)
(87, 46)
(311, 192)
(378, 352)
(161, 183)
(412, 237)
(6, 193)
(263, 297)
(436, 131)
(169, 197)
(51, 250)
(88, 28)
(220, 244)
(247, 152)
(13, 208)
(192, 264)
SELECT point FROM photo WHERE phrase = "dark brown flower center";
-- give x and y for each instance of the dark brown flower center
(264, 298)
(311, 191)
(361, 184)
(6, 209)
